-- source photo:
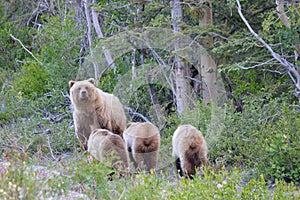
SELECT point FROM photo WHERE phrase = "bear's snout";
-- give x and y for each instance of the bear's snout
(83, 94)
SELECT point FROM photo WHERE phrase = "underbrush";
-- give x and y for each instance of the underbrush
(84, 178)
(253, 154)
(264, 138)
(43, 129)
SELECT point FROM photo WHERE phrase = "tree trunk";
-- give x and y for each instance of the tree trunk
(89, 35)
(107, 55)
(154, 100)
(182, 86)
(208, 67)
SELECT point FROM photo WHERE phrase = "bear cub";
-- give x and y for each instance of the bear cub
(106, 146)
(189, 150)
(143, 142)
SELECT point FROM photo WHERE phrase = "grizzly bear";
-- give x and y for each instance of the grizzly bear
(143, 142)
(189, 150)
(94, 109)
(108, 147)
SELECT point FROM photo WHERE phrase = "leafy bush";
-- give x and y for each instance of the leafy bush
(32, 81)
(263, 137)
(12, 53)
(281, 144)
(59, 50)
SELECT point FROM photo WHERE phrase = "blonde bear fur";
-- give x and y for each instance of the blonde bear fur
(106, 146)
(94, 109)
(189, 150)
(143, 143)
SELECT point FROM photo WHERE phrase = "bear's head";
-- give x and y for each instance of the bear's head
(130, 124)
(102, 132)
(82, 90)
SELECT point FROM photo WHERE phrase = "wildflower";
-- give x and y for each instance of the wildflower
(2, 170)
(67, 173)
(43, 174)
(95, 184)
(90, 159)
(20, 96)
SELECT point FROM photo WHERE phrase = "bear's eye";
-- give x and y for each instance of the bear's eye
(79, 88)
(86, 88)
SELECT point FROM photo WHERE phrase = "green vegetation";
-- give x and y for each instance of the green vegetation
(252, 135)
(83, 179)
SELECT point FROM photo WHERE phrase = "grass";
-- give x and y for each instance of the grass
(78, 178)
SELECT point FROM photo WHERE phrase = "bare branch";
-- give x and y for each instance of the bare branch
(291, 69)
(274, 71)
(49, 145)
(193, 79)
(258, 65)
(131, 111)
(133, 67)
(161, 62)
(16, 39)
(218, 35)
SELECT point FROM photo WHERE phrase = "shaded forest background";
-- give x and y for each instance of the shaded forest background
(250, 116)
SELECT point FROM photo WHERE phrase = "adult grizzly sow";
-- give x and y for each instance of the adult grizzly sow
(143, 142)
(106, 146)
(189, 150)
(94, 109)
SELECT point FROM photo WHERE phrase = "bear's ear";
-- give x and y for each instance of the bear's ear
(94, 131)
(129, 124)
(71, 83)
(104, 132)
(91, 80)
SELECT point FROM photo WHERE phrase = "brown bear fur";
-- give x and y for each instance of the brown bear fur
(143, 143)
(106, 146)
(94, 109)
(189, 150)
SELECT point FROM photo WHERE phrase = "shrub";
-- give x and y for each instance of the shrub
(58, 47)
(40, 137)
(32, 81)
(281, 145)
(263, 137)
(15, 182)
